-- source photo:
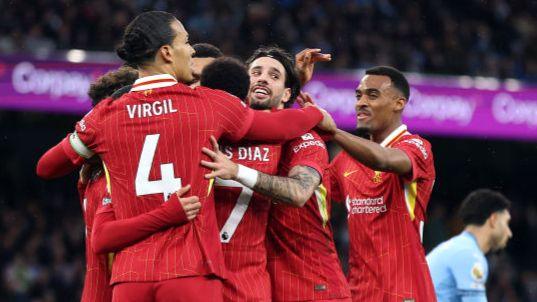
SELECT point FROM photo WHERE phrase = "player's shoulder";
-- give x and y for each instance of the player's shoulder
(217, 95)
(459, 246)
(415, 141)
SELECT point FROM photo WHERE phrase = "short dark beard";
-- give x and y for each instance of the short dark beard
(259, 106)
(362, 132)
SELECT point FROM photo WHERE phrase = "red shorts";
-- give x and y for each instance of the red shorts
(197, 288)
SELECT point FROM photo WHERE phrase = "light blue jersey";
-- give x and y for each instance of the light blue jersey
(459, 270)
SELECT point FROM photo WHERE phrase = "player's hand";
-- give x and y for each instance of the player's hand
(191, 205)
(305, 62)
(304, 100)
(222, 166)
(327, 124)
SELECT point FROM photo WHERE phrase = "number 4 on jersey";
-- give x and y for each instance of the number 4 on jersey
(167, 184)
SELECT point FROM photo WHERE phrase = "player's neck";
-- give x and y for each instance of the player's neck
(153, 70)
(380, 136)
(480, 235)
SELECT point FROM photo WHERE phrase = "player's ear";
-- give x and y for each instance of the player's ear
(286, 95)
(492, 220)
(399, 104)
(165, 52)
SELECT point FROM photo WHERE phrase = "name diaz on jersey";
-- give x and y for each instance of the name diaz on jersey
(251, 153)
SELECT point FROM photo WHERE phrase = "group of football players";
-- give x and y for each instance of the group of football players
(199, 182)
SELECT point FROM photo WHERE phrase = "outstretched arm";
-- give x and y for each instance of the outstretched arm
(373, 155)
(58, 161)
(110, 235)
(287, 124)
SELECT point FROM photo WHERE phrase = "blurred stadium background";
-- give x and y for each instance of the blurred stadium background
(472, 64)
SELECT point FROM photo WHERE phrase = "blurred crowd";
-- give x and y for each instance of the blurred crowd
(474, 37)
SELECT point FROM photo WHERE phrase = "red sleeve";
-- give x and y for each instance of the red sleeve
(110, 235)
(335, 183)
(58, 161)
(282, 125)
(86, 140)
(420, 154)
(307, 150)
(233, 115)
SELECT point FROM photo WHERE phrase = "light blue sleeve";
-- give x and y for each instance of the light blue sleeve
(470, 270)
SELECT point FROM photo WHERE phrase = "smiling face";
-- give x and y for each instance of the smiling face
(378, 104)
(267, 84)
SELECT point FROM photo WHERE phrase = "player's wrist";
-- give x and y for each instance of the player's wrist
(246, 176)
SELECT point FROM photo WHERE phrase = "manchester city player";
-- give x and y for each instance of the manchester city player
(458, 266)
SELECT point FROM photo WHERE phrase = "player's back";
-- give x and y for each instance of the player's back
(97, 278)
(150, 140)
(242, 217)
(302, 257)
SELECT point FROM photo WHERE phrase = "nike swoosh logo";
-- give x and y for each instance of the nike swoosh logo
(346, 174)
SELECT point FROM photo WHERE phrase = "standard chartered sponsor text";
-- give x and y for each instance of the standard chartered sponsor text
(365, 205)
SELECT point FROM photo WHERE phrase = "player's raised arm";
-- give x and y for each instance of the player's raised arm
(111, 235)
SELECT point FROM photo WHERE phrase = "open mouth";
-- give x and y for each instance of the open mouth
(261, 92)
(362, 115)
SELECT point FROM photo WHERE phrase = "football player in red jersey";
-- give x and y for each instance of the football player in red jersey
(242, 214)
(386, 183)
(92, 192)
(148, 139)
(302, 261)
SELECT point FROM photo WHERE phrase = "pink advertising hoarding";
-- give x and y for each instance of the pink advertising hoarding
(436, 107)
(444, 109)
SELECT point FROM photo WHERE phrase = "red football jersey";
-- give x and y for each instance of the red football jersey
(242, 217)
(150, 141)
(97, 279)
(302, 258)
(385, 217)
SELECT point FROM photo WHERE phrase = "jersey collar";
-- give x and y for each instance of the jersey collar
(154, 81)
(394, 136)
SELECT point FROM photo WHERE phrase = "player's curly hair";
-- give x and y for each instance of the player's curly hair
(110, 82)
(144, 36)
(227, 74)
(291, 77)
(477, 207)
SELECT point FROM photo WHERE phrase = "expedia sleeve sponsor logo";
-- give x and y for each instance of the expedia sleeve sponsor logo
(419, 144)
(365, 205)
(308, 144)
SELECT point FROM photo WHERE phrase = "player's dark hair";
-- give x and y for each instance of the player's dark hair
(291, 77)
(477, 207)
(121, 91)
(398, 79)
(111, 81)
(227, 74)
(144, 36)
(206, 50)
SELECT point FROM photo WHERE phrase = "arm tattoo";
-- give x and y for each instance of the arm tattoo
(297, 187)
